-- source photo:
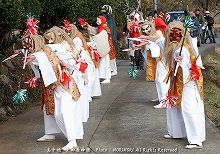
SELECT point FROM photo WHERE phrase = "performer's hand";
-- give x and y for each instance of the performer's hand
(145, 41)
(85, 26)
(17, 51)
(135, 47)
(144, 37)
(62, 64)
(179, 58)
(30, 59)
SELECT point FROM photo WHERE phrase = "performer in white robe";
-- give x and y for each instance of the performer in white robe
(175, 124)
(156, 57)
(65, 115)
(90, 72)
(161, 71)
(105, 61)
(188, 84)
(96, 87)
(86, 54)
(73, 64)
(192, 104)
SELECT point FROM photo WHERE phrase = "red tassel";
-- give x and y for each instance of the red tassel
(83, 67)
(32, 82)
(194, 70)
(82, 22)
(95, 53)
(65, 79)
(67, 26)
(96, 56)
(169, 101)
(31, 26)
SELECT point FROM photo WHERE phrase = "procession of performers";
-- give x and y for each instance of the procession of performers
(71, 70)
(175, 66)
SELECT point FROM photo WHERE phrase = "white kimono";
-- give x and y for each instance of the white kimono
(94, 88)
(105, 63)
(191, 105)
(175, 124)
(67, 116)
(193, 43)
(66, 57)
(161, 70)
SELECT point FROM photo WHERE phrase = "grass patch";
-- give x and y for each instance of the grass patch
(212, 87)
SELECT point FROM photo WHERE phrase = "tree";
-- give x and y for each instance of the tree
(11, 12)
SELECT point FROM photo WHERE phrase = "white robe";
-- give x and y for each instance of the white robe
(105, 63)
(175, 124)
(96, 87)
(67, 116)
(161, 70)
(113, 65)
(66, 57)
(105, 67)
(193, 43)
(191, 105)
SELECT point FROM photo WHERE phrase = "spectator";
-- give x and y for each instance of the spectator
(195, 31)
(210, 21)
(199, 17)
(150, 17)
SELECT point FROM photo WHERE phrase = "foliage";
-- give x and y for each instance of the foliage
(212, 87)
(11, 12)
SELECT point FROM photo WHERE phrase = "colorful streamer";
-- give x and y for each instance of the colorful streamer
(32, 82)
(20, 96)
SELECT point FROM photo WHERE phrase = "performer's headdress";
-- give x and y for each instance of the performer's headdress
(73, 31)
(174, 38)
(57, 35)
(148, 28)
(38, 42)
(70, 29)
(103, 23)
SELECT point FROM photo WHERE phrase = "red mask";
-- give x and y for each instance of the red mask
(175, 35)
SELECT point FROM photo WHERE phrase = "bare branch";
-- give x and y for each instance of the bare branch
(217, 3)
(139, 5)
(216, 14)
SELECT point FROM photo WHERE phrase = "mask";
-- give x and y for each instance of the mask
(98, 22)
(146, 29)
(50, 38)
(175, 35)
(28, 43)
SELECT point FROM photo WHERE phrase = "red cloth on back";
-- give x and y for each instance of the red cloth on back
(160, 24)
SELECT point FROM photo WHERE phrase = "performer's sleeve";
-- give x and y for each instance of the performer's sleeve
(92, 30)
(160, 42)
(35, 70)
(78, 43)
(155, 50)
(185, 62)
(145, 52)
(45, 67)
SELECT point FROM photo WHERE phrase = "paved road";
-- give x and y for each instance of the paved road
(122, 118)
